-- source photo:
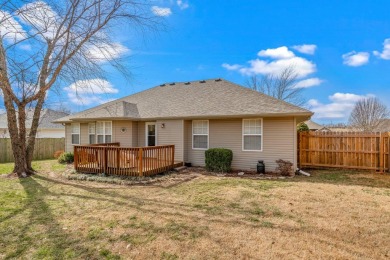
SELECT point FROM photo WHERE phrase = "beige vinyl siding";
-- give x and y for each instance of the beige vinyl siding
(68, 138)
(172, 133)
(141, 134)
(134, 136)
(187, 140)
(124, 138)
(278, 142)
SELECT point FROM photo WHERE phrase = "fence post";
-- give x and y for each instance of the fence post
(140, 157)
(381, 153)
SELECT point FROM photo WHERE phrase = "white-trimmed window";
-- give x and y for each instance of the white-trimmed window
(200, 134)
(75, 128)
(104, 131)
(92, 133)
(252, 138)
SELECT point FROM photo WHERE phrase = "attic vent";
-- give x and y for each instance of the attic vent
(187, 83)
(202, 81)
(218, 80)
(173, 83)
(162, 85)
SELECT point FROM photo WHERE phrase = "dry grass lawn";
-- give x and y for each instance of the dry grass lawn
(334, 214)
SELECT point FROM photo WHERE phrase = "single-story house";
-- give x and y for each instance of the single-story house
(195, 116)
(313, 126)
(46, 127)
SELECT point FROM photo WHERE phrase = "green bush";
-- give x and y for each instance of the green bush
(66, 158)
(302, 127)
(219, 159)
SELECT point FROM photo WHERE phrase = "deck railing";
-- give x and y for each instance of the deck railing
(133, 161)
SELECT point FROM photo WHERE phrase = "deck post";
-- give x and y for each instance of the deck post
(118, 158)
(105, 165)
(173, 155)
(140, 156)
(75, 158)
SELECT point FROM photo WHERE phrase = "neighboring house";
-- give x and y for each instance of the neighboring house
(313, 126)
(195, 116)
(46, 129)
(384, 126)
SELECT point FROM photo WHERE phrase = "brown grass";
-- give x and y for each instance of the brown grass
(207, 217)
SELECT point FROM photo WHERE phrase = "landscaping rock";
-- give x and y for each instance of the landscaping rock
(241, 173)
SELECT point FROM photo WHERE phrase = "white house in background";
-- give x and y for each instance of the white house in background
(46, 129)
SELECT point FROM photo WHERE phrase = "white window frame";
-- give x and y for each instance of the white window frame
(146, 133)
(208, 131)
(261, 134)
(71, 133)
(94, 132)
(104, 132)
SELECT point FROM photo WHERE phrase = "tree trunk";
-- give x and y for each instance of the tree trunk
(33, 132)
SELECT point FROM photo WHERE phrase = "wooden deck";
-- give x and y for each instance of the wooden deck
(130, 161)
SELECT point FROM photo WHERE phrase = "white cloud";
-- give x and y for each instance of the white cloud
(306, 48)
(277, 53)
(340, 106)
(87, 92)
(231, 67)
(385, 54)
(106, 52)
(356, 59)
(182, 4)
(307, 83)
(41, 16)
(161, 11)
(279, 59)
(302, 67)
(10, 29)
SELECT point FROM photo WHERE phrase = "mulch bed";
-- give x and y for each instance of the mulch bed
(237, 174)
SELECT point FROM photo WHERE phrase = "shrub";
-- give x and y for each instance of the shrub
(58, 153)
(284, 167)
(66, 158)
(302, 127)
(219, 159)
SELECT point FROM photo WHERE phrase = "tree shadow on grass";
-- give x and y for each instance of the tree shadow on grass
(344, 177)
(171, 211)
(41, 232)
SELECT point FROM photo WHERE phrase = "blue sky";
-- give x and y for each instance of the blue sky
(339, 49)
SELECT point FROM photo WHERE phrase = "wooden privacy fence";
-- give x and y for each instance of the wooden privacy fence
(355, 150)
(131, 161)
(44, 148)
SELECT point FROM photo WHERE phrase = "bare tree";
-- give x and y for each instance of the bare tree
(281, 86)
(46, 44)
(368, 114)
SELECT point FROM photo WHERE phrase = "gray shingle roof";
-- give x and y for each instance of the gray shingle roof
(196, 99)
(45, 122)
(313, 125)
